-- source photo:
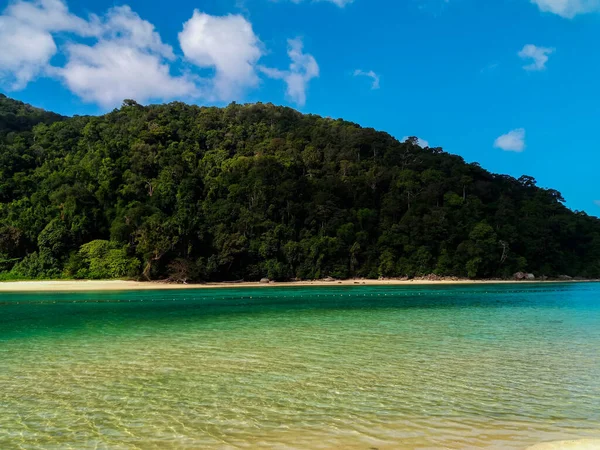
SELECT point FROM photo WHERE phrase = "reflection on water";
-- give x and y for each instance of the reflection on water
(389, 367)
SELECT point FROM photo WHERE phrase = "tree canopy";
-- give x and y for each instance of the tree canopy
(250, 191)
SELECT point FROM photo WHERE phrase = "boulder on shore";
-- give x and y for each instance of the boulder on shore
(432, 277)
(520, 276)
(265, 280)
(565, 277)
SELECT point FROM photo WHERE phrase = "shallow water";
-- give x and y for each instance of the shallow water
(502, 366)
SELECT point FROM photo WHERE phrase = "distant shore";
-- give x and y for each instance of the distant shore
(123, 285)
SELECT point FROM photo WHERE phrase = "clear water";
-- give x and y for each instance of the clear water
(358, 368)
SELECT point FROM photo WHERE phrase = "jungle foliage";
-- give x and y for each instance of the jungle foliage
(250, 191)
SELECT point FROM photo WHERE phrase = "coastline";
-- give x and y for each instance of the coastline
(124, 285)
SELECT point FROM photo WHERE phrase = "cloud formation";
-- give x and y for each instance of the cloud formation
(513, 141)
(340, 3)
(25, 52)
(127, 28)
(51, 16)
(226, 44)
(108, 72)
(119, 55)
(129, 60)
(303, 68)
(370, 74)
(568, 8)
(537, 55)
(26, 38)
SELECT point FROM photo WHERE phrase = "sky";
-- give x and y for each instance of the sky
(510, 84)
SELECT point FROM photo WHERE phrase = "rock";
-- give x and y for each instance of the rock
(265, 281)
(565, 277)
(520, 276)
(432, 277)
(329, 279)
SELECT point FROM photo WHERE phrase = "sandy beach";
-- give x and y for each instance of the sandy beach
(578, 444)
(124, 285)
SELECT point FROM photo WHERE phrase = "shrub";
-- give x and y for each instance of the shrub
(102, 260)
(37, 265)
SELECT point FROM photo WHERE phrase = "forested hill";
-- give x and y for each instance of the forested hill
(19, 116)
(245, 192)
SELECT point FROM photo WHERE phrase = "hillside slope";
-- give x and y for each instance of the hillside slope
(17, 116)
(248, 191)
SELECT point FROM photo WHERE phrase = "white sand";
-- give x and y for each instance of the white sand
(579, 444)
(121, 285)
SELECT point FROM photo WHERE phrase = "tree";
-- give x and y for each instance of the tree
(153, 240)
(193, 193)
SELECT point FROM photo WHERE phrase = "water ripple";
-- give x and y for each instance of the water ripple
(312, 368)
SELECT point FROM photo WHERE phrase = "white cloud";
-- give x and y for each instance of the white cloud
(303, 68)
(108, 72)
(25, 52)
(50, 15)
(226, 44)
(340, 3)
(538, 55)
(568, 8)
(126, 27)
(119, 55)
(26, 40)
(128, 58)
(420, 142)
(127, 61)
(370, 74)
(513, 141)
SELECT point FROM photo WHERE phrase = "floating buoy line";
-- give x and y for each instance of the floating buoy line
(391, 295)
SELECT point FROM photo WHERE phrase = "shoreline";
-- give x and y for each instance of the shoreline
(124, 285)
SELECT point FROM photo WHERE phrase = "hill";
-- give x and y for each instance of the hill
(248, 191)
(17, 116)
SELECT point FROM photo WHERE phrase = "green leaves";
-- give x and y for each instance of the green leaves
(102, 260)
(250, 191)
(54, 238)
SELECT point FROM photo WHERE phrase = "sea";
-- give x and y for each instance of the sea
(354, 367)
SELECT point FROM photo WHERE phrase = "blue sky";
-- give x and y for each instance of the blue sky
(511, 84)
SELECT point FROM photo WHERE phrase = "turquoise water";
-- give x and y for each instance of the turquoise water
(503, 366)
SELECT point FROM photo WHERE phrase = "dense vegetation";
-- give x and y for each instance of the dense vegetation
(245, 192)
